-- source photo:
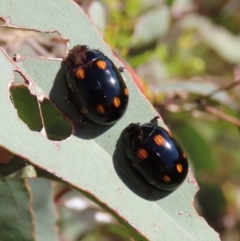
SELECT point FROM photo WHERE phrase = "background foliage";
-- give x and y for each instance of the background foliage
(179, 51)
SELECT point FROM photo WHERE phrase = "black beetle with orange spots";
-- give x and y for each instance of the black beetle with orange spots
(96, 84)
(156, 155)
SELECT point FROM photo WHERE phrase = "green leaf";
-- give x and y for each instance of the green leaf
(214, 207)
(151, 26)
(15, 214)
(15, 164)
(97, 13)
(93, 159)
(196, 147)
(218, 38)
(27, 106)
(57, 128)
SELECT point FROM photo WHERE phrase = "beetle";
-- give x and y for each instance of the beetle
(156, 155)
(96, 85)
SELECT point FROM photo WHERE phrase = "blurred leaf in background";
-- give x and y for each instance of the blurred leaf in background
(180, 51)
(182, 43)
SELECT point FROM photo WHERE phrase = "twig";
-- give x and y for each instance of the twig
(221, 115)
(226, 87)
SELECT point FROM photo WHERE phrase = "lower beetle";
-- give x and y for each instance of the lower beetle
(156, 155)
(96, 84)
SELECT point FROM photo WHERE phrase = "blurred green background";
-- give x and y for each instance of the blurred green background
(179, 52)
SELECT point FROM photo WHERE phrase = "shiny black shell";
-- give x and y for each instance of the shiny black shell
(96, 84)
(156, 155)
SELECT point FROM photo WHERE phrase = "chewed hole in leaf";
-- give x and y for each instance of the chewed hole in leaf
(32, 43)
(56, 126)
(19, 78)
(39, 116)
(27, 106)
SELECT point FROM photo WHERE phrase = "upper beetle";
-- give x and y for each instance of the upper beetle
(157, 155)
(97, 85)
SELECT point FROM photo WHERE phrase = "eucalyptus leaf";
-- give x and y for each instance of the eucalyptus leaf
(92, 159)
(15, 212)
(218, 38)
(45, 216)
(196, 147)
(151, 25)
(27, 106)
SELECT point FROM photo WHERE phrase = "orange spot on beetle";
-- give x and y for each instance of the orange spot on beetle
(100, 109)
(159, 140)
(126, 91)
(166, 179)
(179, 167)
(80, 73)
(101, 64)
(142, 154)
(184, 155)
(116, 102)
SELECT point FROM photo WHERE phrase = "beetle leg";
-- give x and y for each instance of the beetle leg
(121, 68)
(83, 121)
(155, 120)
(68, 99)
